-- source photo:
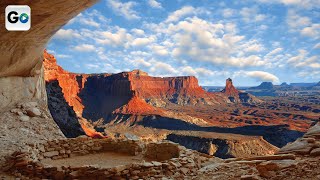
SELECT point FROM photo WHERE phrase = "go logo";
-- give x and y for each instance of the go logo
(18, 18)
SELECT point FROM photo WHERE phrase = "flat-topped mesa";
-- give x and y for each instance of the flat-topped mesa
(147, 86)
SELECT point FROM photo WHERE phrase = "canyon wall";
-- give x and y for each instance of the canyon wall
(98, 96)
(21, 73)
(21, 51)
(225, 148)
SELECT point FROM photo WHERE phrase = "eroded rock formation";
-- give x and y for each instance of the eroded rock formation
(236, 96)
(21, 73)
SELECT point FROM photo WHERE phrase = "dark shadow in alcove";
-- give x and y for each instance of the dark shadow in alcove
(61, 112)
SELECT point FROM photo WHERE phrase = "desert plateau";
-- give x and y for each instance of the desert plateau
(153, 89)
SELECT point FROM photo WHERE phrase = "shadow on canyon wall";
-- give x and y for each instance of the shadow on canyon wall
(277, 135)
(61, 112)
(102, 95)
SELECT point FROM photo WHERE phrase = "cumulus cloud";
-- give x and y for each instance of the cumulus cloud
(294, 20)
(84, 48)
(259, 75)
(124, 9)
(198, 72)
(160, 50)
(141, 63)
(251, 15)
(176, 15)
(138, 32)
(162, 69)
(200, 40)
(154, 4)
(143, 41)
(311, 31)
(307, 4)
(302, 60)
(118, 38)
(66, 34)
(228, 12)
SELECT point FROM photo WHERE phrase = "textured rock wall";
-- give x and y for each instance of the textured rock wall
(165, 159)
(224, 148)
(21, 89)
(21, 51)
(21, 75)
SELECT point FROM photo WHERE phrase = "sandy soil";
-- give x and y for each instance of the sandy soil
(105, 160)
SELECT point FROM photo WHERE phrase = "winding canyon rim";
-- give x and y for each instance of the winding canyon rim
(90, 93)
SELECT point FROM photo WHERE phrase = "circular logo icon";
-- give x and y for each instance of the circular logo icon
(24, 18)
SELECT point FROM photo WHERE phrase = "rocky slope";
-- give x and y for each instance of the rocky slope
(225, 147)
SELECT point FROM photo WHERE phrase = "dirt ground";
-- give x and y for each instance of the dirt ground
(104, 160)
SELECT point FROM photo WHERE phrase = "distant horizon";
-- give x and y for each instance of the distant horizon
(249, 41)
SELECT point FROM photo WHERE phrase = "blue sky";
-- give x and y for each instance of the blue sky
(249, 41)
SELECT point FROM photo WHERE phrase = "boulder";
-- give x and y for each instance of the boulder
(315, 152)
(50, 154)
(33, 112)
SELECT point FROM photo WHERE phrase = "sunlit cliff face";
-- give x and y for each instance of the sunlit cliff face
(90, 131)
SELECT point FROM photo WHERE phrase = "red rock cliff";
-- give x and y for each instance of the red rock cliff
(230, 90)
(70, 83)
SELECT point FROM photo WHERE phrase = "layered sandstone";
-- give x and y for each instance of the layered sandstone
(236, 96)
(21, 51)
(21, 73)
(70, 83)
(97, 96)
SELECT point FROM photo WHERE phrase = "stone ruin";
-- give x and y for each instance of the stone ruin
(161, 159)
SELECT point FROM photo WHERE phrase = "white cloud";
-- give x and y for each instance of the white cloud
(66, 34)
(141, 62)
(143, 41)
(311, 31)
(275, 51)
(315, 74)
(118, 38)
(92, 66)
(124, 9)
(294, 20)
(160, 50)
(302, 60)
(228, 12)
(62, 56)
(178, 14)
(198, 72)
(200, 40)
(90, 22)
(252, 46)
(259, 75)
(308, 4)
(84, 48)
(154, 4)
(161, 68)
(317, 46)
(251, 15)
(138, 32)
(51, 51)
